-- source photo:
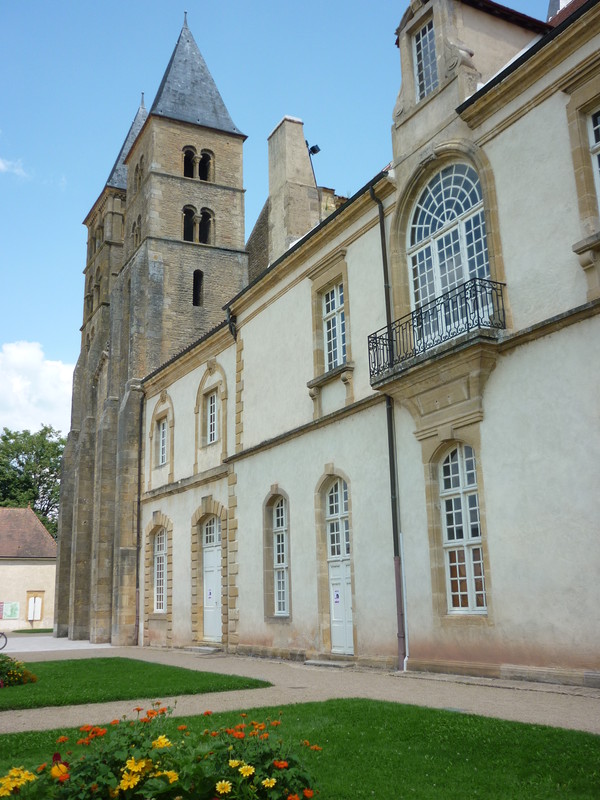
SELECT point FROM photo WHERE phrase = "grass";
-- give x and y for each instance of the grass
(34, 630)
(100, 680)
(389, 751)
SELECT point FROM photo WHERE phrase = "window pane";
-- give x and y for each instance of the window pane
(425, 61)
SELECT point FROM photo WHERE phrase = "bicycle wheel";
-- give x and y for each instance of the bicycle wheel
(3, 640)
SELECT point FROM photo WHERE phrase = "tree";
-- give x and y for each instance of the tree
(30, 472)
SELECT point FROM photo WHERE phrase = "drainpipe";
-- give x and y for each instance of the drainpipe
(394, 499)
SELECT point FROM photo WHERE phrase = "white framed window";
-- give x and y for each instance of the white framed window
(461, 526)
(337, 520)
(425, 62)
(211, 532)
(159, 568)
(162, 441)
(447, 247)
(334, 326)
(594, 133)
(212, 429)
(280, 558)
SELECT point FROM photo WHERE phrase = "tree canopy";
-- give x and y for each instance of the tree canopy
(30, 472)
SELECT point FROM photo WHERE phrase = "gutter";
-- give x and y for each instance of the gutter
(394, 499)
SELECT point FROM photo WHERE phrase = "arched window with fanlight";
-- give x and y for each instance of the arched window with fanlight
(448, 253)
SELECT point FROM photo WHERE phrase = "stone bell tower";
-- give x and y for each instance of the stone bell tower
(165, 252)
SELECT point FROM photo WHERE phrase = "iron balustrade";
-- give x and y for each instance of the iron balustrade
(477, 303)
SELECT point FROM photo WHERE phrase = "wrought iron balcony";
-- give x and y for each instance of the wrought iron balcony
(473, 305)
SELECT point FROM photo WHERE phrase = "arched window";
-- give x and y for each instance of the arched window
(189, 217)
(134, 234)
(198, 288)
(205, 166)
(337, 520)
(206, 227)
(141, 173)
(159, 570)
(447, 238)
(276, 543)
(461, 526)
(136, 178)
(189, 156)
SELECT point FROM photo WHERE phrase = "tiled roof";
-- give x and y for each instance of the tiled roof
(118, 174)
(188, 92)
(22, 535)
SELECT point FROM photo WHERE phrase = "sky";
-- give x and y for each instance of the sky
(71, 77)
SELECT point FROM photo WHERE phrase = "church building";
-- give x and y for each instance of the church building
(370, 431)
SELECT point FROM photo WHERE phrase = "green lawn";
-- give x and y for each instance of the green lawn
(99, 680)
(388, 751)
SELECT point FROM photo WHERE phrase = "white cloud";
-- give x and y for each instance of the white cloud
(16, 167)
(33, 390)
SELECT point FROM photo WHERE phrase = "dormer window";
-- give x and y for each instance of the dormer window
(425, 62)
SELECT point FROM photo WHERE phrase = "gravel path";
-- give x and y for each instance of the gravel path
(294, 682)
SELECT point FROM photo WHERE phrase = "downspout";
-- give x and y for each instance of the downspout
(394, 499)
(139, 523)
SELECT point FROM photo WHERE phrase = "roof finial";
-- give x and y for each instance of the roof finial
(142, 101)
(185, 19)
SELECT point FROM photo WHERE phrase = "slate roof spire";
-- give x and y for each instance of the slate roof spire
(118, 175)
(188, 92)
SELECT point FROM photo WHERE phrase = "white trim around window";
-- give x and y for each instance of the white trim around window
(461, 526)
(160, 571)
(594, 134)
(334, 326)
(280, 559)
(425, 61)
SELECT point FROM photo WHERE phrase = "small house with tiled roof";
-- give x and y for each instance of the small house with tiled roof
(27, 571)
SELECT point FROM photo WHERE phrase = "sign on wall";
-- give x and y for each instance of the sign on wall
(9, 610)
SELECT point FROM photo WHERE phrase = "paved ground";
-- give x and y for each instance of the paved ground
(547, 704)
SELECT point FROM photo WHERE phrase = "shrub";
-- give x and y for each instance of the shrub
(14, 673)
(134, 759)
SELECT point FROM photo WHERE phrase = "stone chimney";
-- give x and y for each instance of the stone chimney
(294, 204)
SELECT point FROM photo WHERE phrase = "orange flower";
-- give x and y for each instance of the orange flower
(162, 710)
(214, 733)
(207, 713)
(62, 739)
(293, 797)
(42, 767)
(315, 747)
(238, 735)
(182, 727)
(138, 709)
(243, 715)
(280, 764)
(264, 736)
(308, 793)
(115, 722)
(276, 722)
(85, 728)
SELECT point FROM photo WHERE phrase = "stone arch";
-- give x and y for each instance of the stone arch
(162, 409)
(214, 378)
(158, 628)
(330, 474)
(436, 158)
(209, 507)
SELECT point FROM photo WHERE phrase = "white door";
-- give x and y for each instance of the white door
(211, 559)
(338, 558)
(340, 603)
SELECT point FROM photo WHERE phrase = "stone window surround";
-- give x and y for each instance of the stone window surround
(213, 380)
(584, 100)
(158, 522)
(162, 410)
(275, 494)
(209, 507)
(432, 160)
(328, 272)
(331, 473)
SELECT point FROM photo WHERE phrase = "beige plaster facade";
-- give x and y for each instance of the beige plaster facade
(294, 484)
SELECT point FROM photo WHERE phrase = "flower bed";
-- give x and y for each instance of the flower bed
(134, 758)
(14, 673)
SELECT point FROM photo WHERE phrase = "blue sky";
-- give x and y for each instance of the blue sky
(71, 77)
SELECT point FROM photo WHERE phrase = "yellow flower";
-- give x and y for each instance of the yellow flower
(138, 766)
(59, 769)
(16, 777)
(170, 774)
(233, 763)
(129, 780)
(269, 783)
(246, 771)
(223, 787)
(162, 741)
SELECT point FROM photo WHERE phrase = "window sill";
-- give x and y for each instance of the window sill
(332, 375)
